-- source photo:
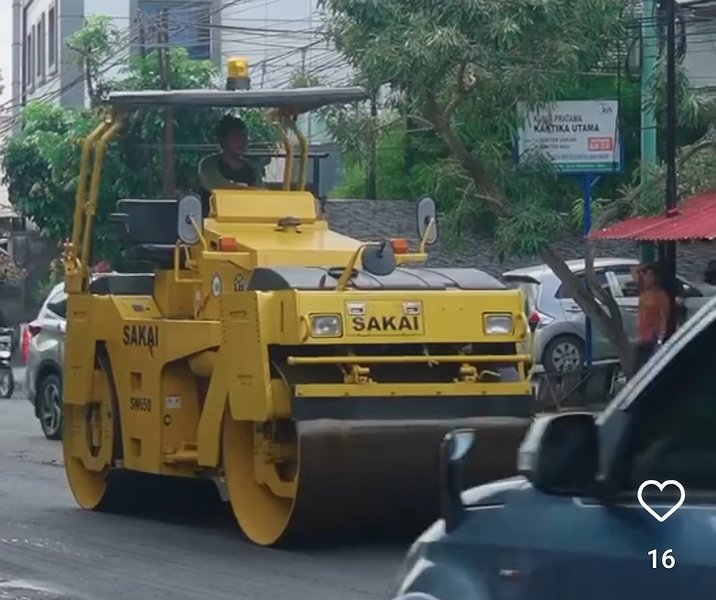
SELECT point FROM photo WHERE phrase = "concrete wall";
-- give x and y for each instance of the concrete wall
(48, 83)
(60, 82)
(64, 83)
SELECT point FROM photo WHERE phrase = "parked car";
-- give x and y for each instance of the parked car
(43, 348)
(570, 524)
(43, 353)
(7, 379)
(559, 322)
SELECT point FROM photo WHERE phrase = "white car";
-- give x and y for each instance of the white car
(560, 323)
(44, 356)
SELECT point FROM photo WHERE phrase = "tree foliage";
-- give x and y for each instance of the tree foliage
(41, 162)
(461, 67)
(92, 46)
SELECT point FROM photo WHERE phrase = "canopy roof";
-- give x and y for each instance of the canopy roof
(695, 219)
(300, 99)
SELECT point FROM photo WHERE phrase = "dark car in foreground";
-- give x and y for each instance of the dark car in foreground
(570, 525)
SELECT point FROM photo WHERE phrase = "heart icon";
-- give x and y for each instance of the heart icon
(661, 486)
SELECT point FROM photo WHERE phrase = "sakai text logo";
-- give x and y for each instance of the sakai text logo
(141, 335)
(386, 323)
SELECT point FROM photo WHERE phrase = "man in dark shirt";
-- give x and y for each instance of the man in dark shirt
(227, 169)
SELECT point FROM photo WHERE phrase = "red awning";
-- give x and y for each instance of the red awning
(694, 219)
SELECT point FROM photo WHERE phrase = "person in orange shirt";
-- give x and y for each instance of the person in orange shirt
(653, 316)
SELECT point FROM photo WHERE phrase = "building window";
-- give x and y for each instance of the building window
(27, 50)
(189, 25)
(52, 37)
(38, 50)
(41, 47)
(33, 54)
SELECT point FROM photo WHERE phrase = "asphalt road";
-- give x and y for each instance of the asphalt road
(52, 550)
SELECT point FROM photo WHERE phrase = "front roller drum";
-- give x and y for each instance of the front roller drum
(347, 479)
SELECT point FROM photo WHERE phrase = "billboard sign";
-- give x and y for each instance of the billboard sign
(576, 136)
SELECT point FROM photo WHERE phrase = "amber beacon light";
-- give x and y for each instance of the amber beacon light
(238, 74)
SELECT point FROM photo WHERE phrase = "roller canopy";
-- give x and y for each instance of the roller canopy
(317, 278)
(302, 99)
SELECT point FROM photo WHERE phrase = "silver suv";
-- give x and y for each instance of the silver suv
(46, 346)
(43, 375)
(560, 323)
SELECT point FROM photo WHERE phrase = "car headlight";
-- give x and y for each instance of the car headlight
(498, 324)
(326, 326)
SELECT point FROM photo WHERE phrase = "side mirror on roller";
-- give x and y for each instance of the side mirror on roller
(378, 259)
(190, 218)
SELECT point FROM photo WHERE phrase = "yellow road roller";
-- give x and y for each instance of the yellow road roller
(310, 375)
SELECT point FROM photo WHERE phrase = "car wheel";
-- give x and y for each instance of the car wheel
(49, 406)
(564, 354)
(7, 383)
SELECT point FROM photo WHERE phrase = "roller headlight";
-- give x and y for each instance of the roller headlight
(326, 326)
(498, 324)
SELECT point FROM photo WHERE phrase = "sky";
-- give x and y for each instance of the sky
(6, 48)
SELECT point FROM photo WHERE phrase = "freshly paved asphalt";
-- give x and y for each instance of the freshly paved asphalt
(52, 550)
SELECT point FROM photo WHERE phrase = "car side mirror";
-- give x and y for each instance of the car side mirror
(560, 454)
(454, 450)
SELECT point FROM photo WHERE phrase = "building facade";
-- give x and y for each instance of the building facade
(279, 37)
(282, 40)
(43, 66)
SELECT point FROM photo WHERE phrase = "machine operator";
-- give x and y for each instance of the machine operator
(228, 169)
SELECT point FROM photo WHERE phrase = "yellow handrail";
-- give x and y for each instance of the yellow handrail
(77, 221)
(458, 358)
(91, 206)
(346, 274)
(288, 168)
(304, 153)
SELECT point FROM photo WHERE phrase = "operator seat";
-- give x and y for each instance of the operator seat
(150, 229)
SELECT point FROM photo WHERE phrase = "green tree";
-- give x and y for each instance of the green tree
(41, 162)
(460, 67)
(92, 48)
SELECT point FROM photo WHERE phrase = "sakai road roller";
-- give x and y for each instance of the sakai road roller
(310, 375)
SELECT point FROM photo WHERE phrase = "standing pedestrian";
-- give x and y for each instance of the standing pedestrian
(653, 315)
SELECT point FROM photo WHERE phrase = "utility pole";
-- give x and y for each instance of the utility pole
(305, 83)
(165, 75)
(649, 53)
(668, 258)
(142, 36)
(409, 153)
(372, 158)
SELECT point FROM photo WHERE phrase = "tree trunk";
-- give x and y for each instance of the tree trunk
(608, 321)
